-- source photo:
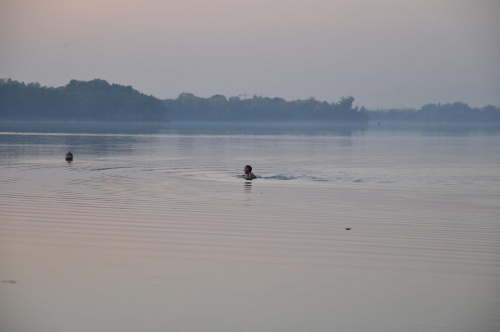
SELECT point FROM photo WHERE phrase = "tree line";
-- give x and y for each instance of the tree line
(188, 107)
(449, 113)
(97, 100)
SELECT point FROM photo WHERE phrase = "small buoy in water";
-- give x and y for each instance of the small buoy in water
(348, 228)
(69, 156)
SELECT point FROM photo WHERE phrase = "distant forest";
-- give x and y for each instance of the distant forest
(188, 107)
(97, 100)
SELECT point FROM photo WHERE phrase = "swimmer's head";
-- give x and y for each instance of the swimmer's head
(247, 169)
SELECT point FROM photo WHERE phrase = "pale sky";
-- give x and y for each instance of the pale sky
(385, 53)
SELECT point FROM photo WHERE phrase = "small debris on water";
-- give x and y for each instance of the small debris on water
(9, 282)
(348, 228)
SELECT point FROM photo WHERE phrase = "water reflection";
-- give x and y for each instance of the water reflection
(438, 129)
(187, 128)
(247, 128)
(248, 186)
(83, 127)
(156, 227)
(19, 144)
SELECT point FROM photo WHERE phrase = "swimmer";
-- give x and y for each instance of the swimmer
(248, 173)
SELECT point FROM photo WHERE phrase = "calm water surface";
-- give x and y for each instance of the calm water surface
(152, 228)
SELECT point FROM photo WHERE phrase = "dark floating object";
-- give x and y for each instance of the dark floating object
(69, 156)
(348, 228)
(9, 282)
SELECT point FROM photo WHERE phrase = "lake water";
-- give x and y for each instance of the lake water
(152, 228)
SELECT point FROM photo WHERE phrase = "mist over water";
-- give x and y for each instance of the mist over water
(152, 228)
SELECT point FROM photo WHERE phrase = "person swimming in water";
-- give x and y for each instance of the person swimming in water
(248, 173)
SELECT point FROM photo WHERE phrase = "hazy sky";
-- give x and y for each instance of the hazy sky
(385, 53)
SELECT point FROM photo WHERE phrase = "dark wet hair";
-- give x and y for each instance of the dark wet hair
(249, 168)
